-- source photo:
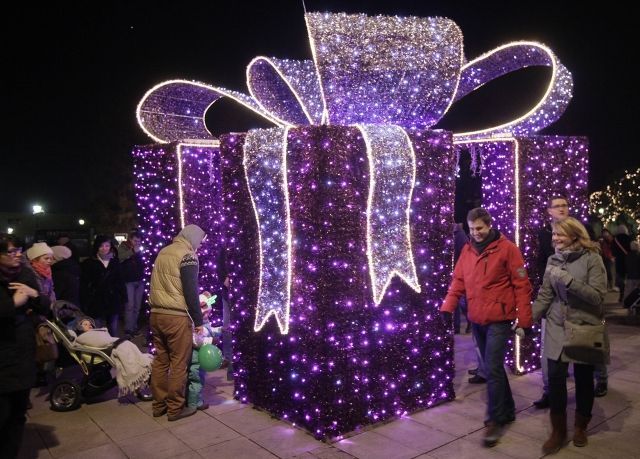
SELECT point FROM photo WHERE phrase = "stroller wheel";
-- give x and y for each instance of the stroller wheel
(65, 396)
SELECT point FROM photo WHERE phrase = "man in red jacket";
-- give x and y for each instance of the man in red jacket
(491, 273)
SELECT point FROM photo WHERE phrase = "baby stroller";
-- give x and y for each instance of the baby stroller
(96, 363)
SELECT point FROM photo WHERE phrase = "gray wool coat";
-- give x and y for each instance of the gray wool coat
(584, 298)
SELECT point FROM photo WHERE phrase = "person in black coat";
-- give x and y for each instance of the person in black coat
(65, 272)
(19, 299)
(102, 291)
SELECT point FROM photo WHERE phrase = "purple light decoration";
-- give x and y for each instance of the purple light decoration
(344, 362)
(177, 184)
(519, 175)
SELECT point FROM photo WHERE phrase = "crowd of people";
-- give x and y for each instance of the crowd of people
(490, 284)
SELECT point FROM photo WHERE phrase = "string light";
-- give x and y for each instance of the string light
(621, 197)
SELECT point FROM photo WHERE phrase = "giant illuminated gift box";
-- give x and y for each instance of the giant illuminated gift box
(177, 184)
(519, 175)
(351, 264)
(336, 221)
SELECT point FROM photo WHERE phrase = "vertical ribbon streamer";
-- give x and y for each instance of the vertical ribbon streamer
(265, 164)
(392, 172)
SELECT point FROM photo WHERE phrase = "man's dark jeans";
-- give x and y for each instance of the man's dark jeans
(492, 343)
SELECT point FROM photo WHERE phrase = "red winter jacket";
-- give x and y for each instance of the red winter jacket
(495, 283)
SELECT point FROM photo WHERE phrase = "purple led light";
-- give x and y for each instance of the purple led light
(157, 189)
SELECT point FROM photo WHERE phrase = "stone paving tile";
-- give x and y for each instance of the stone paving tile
(247, 420)
(154, 445)
(204, 432)
(238, 448)
(414, 435)
(370, 445)
(284, 441)
(109, 451)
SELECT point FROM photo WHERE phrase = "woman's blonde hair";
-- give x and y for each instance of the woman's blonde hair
(576, 231)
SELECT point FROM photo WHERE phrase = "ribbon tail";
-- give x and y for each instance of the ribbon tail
(266, 174)
(392, 172)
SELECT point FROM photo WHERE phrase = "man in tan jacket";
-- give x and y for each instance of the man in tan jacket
(175, 313)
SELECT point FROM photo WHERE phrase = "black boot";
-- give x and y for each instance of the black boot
(542, 402)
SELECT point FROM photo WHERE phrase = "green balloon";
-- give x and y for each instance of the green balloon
(210, 357)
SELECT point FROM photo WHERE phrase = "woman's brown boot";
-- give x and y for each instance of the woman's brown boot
(580, 432)
(558, 434)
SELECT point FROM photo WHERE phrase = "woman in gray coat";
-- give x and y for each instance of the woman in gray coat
(573, 289)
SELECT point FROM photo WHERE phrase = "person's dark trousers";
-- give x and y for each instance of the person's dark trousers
(13, 406)
(558, 387)
(492, 342)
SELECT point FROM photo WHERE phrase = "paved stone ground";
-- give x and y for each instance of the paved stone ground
(112, 428)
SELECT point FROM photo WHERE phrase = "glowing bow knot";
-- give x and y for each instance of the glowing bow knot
(383, 74)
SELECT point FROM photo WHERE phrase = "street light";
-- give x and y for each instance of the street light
(81, 222)
(9, 230)
(37, 209)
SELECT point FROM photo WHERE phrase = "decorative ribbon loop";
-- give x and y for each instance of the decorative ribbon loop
(366, 70)
(175, 109)
(508, 58)
(288, 89)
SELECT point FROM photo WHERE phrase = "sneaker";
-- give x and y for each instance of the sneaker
(600, 390)
(473, 371)
(542, 402)
(477, 379)
(203, 407)
(184, 413)
(492, 435)
(144, 396)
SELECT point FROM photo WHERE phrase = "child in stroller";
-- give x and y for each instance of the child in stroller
(96, 352)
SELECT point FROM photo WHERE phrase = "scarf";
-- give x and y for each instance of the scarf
(8, 274)
(43, 269)
(494, 235)
(104, 259)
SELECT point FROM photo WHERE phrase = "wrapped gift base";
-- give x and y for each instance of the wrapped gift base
(177, 184)
(344, 360)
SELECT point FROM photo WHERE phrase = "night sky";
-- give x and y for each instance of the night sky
(78, 69)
